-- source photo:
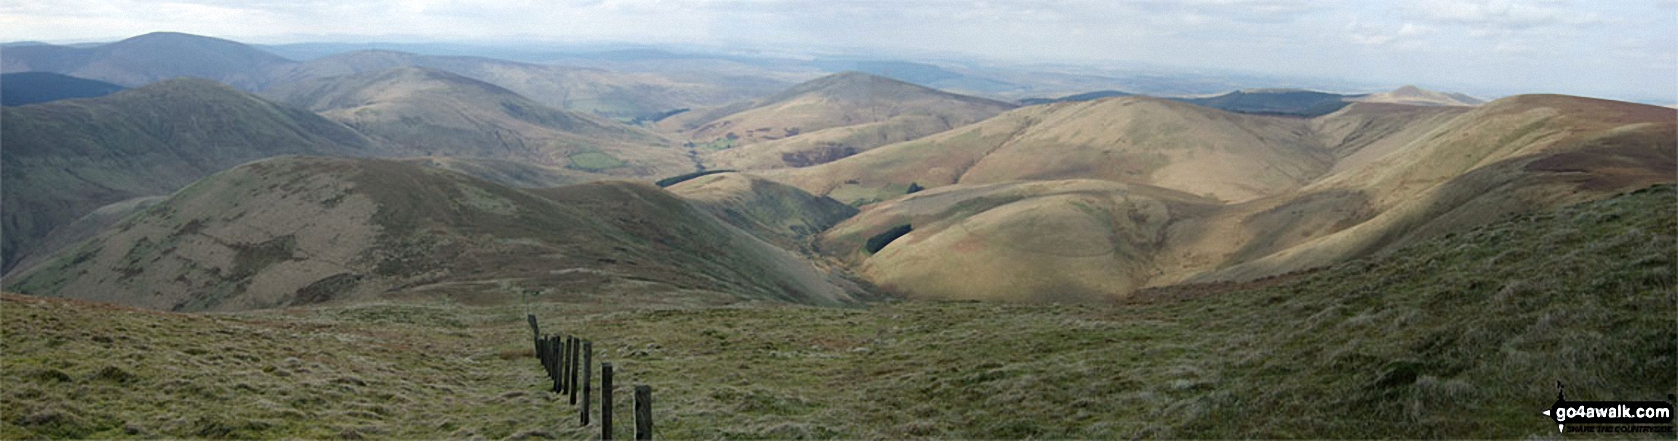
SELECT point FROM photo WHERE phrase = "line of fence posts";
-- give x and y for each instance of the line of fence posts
(569, 362)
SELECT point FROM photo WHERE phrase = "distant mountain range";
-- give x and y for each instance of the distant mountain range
(157, 56)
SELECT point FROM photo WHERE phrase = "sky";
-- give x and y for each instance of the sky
(1623, 49)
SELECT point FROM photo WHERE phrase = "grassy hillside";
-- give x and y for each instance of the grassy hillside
(826, 119)
(1513, 155)
(1460, 337)
(65, 159)
(149, 58)
(1277, 195)
(426, 112)
(21, 88)
(1023, 241)
(1131, 139)
(297, 231)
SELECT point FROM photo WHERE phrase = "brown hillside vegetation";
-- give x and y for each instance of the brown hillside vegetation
(426, 112)
(297, 230)
(65, 159)
(1369, 178)
(826, 119)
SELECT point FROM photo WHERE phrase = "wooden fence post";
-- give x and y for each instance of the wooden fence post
(553, 361)
(588, 371)
(564, 376)
(643, 412)
(542, 351)
(605, 400)
(576, 346)
(535, 331)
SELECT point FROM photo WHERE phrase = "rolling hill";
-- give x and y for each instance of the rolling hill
(149, 58)
(22, 88)
(65, 159)
(1419, 97)
(427, 112)
(1510, 156)
(301, 230)
(1371, 178)
(1131, 139)
(594, 91)
(825, 119)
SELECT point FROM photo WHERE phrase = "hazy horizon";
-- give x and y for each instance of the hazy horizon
(1612, 49)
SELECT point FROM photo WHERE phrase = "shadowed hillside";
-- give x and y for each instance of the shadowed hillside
(1284, 102)
(297, 230)
(1460, 337)
(64, 159)
(21, 88)
(779, 213)
(426, 112)
(826, 119)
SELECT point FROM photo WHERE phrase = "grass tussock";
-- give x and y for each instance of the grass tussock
(1462, 337)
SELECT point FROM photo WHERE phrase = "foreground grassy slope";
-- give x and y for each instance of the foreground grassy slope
(1459, 337)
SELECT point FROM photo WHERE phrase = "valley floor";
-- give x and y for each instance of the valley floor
(1460, 337)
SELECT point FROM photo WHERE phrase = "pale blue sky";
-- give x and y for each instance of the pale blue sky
(1626, 49)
